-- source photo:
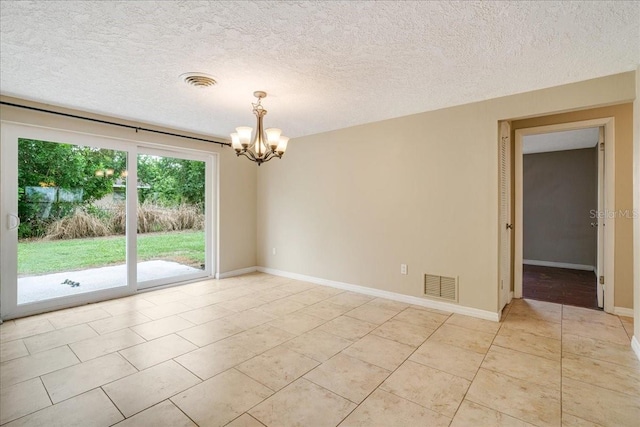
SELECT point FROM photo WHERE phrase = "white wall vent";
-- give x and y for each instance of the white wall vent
(441, 287)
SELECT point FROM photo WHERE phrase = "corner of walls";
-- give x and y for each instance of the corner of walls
(636, 220)
(237, 214)
(238, 272)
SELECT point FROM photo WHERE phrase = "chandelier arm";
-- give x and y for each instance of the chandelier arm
(246, 154)
(266, 156)
(273, 154)
(251, 155)
(266, 159)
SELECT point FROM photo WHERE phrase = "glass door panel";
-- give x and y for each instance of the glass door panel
(171, 240)
(72, 212)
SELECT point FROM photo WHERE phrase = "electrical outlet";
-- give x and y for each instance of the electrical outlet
(403, 269)
(273, 251)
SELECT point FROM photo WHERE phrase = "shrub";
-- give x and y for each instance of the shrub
(77, 225)
(96, 222)
(153, 217)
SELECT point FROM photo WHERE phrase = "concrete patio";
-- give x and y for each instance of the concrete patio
(38, 288)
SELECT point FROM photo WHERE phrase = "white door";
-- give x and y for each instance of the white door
(505, 213)
(600, 221)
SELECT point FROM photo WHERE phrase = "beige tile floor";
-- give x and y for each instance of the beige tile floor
(262, 350)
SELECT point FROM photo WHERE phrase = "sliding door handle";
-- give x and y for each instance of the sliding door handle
(13, 221)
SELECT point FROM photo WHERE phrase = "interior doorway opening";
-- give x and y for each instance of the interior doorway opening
(560, 227)
(563, 184)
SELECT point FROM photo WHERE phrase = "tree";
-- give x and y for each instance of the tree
(172, 181)
(51, 164)
(74, 169)
(69, 169)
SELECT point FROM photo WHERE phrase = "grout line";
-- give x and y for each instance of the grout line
(112, 402)
(46, 390)
(263, 400)
(480, 367)
(257, 420)
(179, 408)
(527, 353)
(37, 410)
(391, 372)
(603, 388)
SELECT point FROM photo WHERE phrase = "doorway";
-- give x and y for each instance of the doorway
(560, 201)
(563, 185)
(85, 218)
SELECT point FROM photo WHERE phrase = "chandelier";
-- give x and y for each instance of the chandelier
(266, 143)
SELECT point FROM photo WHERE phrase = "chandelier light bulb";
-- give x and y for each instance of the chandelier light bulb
(282, 145)
(244, 134)
(273, 137)
(235, 141)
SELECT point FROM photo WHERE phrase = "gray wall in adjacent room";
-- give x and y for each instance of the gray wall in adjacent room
(559, 193)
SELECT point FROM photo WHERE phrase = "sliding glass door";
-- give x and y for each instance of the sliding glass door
(85, 218)
(172, 218)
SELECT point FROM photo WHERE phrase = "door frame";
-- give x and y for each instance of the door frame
(609, 204)
(10, 130)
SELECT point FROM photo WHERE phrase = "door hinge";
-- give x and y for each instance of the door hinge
(602, 280)
(602, 146)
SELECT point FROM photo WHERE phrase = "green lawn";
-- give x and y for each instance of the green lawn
(50, 256)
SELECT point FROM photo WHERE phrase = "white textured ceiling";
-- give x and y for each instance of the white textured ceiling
(560, 141)
(325, 65)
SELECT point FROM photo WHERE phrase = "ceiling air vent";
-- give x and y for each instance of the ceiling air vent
(200, 80)
(441, 287)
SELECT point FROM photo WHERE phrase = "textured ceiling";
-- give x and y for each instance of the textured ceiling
(560, 141)
(325, 65)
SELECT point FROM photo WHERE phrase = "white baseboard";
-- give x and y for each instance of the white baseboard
(454, 308)
(623, 311)
(559, 265)
(635, 345)
(233, 273)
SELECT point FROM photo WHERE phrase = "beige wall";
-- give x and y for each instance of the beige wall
(623, 128)
(353, 204)
(237, 177)
(560, 193)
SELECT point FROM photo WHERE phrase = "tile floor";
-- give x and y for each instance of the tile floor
(262, 350)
